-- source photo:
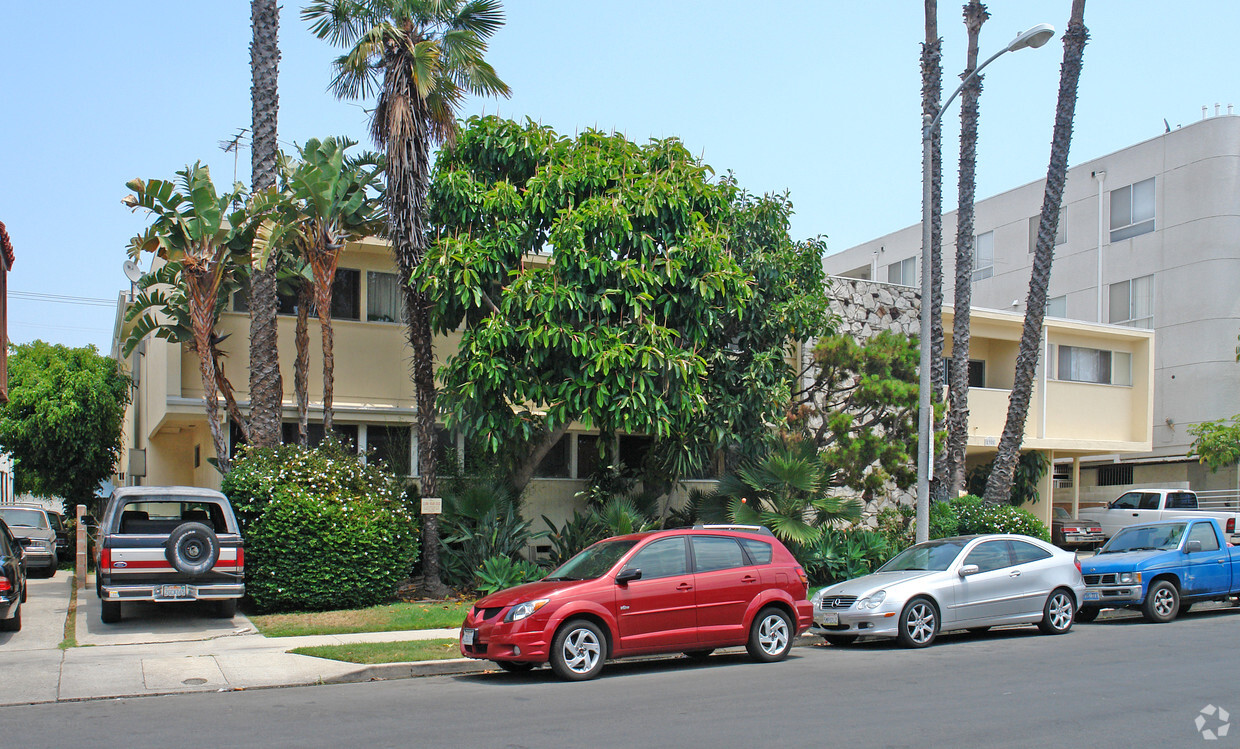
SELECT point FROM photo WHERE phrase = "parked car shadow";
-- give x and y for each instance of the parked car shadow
(617, 669)
(1129, 617)
(146, 622)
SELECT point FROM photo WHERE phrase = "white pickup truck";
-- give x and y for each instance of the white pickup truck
(1152, 505)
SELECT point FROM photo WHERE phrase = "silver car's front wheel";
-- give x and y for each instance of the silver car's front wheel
(919, 623)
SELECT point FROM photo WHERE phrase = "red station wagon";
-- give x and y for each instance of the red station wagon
(687, 590)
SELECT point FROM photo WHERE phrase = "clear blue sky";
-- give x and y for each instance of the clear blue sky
(815, 97)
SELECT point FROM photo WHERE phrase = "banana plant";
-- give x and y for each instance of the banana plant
(200, 228)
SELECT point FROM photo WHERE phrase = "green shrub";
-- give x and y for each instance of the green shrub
(498, 573)
(969, 515)
(943, 520)
(577, 533)
(896, 524)
(837, 555)
(481, 520)
(322, 530)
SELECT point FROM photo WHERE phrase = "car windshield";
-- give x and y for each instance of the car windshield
(593, 562)
(932, 555)
(18, 516)
(1146, 538)
(1061, 514)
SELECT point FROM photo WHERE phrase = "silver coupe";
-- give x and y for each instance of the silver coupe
(966, 582)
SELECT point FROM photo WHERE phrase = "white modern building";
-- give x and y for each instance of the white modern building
(1149, 237)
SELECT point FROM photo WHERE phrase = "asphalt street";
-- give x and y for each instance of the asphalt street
(1115, 683)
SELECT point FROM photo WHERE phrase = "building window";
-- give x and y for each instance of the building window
(977, 374)
(1132, 210)
(346, 433)
(1115, 475)
(392, 445)
(1077, 364)
(1062, 477)
(903, 272)
(554, 464)
(384, 301)
(984, 256)
(1132, 302)
(1061, 235)
(1057, 306)
(633, 449)
(347, 295)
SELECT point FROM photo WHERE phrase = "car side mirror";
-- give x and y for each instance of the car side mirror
(627, 575)
(1193, 547)
(968, 569)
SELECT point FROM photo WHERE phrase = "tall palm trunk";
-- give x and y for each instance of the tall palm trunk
(266, 385)
(301, 367)
(401, 125)
(201, 299)
(931, 94)
(324, 277)
(999, 484)
(958, 412)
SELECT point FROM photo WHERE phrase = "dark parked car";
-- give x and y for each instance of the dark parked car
(168, 544)
(1068, 532)
(689, 590)
(62, 534)
(12, 580)
(32, 527)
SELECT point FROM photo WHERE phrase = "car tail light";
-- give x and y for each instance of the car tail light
(1078, 563)
(1231, 525)
(5, 585)
(801, 574)
(240, 557)
(1071, 530)
(1096, 529)
(105, 559)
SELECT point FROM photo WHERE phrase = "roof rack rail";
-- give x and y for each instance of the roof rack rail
(733, 527)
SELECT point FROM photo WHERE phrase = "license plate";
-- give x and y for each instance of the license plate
(467, 636)
(1092, 595)
(173, 591)
(830, 620)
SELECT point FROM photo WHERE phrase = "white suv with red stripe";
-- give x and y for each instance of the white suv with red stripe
(168, 544)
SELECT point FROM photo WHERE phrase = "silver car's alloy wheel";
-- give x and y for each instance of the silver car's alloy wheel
(920, 622)
(773, 634)
(582, 651)
(1164, 601)
(1061, 611)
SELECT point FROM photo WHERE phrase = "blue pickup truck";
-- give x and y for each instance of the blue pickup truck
(1160, 568)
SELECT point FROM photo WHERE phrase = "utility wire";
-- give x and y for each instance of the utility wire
(37, 296)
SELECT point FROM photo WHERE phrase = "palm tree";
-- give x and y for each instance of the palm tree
(422, 57)
(334, 206)
(786, 492)
(266, 386)
(193, 225)
(931, 94)
(160, 308)
(958, 412)
(999, 485)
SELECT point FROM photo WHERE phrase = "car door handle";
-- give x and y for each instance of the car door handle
(1014, 573)
(1136, 515)
(684, 586)
(752, 579)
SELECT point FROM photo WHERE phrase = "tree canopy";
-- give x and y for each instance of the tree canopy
(62, 423)
(607, 283)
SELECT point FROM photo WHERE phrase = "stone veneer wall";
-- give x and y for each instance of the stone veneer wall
(863, 309)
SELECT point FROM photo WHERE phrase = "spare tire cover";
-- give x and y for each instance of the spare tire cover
(192, 549)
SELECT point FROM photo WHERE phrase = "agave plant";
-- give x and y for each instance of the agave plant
(786, 492)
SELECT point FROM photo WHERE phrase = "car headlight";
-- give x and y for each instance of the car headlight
(525, 610)
(872, 601)
(1130, 577)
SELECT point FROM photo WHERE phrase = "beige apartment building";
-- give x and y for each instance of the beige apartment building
(1149, 239)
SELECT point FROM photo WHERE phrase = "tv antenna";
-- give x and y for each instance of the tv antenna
(234, 145)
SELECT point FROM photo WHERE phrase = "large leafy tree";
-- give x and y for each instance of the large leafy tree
(62, 422)
(975, 15)
(617, 329)
(422, 57)
(200, 228)
(266, 385)
(999, 485)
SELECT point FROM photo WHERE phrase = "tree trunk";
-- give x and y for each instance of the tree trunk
(931, 94)
(266, 386)
(301, 368)
(323, 279)
(999, 484)
(230, 399)
(958, 400)
(524, 470)
(201, 299)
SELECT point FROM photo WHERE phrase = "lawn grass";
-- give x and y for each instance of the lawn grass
(391, 617)
(386, 652)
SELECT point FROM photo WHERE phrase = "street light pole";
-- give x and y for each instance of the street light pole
(1034, 37)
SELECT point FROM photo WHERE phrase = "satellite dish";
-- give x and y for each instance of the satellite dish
(132, 271)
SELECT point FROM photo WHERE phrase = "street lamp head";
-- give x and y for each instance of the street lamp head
(1034, 37)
